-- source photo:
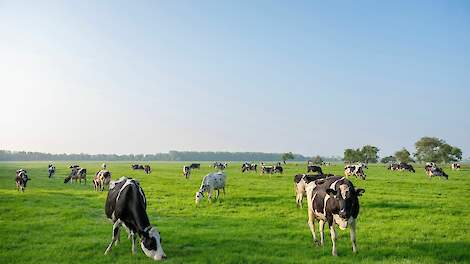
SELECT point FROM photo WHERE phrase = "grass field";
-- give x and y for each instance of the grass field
(404, 218)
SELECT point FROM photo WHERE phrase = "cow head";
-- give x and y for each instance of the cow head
(346, 197)
(199, 196)
(151, 244)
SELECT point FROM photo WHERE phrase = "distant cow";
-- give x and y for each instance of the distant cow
(51, 170)
(455, 166)
(195, 166)
(219, 165)
(126, 205)
(186, 171)
(354, 170)
(147, 169)
(432, 171)
(212, 181)
(406, 167)
(300, 183)
(21, 179)
(333, 200)
(266, 169)
(76, 174)
(137, 167)
(249, 167)
(278, 168)
(313, 168)
(102, 178)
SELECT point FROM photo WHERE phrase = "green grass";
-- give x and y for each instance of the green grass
(405, 218)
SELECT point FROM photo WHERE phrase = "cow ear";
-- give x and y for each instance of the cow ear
(330, 192)
(359, 192)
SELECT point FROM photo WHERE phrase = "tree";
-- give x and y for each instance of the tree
(353, 155)
(317, 160)
(369, 154)
(403, 156)
(389, 159)
(436, 150)
(287, 156)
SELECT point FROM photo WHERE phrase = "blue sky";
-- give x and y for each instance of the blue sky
(273, 76)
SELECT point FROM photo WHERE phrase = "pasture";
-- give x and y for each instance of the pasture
(404, 218)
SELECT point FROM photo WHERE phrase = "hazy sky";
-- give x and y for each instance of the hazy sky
(273, 76)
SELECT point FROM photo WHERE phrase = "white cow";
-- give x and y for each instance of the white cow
(212, 181)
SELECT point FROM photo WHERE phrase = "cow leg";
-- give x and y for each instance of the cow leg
(352, 233)
(333, 239)
(209, 195)
(311, 224)
(132, 235)
(321, 228)
(116, 226)
(218, 193)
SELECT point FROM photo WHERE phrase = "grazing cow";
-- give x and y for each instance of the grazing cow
(219, 165)
(76, 174)
(21, 179)
(51, 170)
(300, 182)
(393, 167)
(336, 201)
(104, 166)
(137, 167)
(406, 167)
(354, 170)
(147, 169)
(432, 171)
(313, 168)
(249, 167)
(266, 169)
(195, 166)
(212, 181)
(455, 166)
(126, 205)
(186, 171)
(101, 179)
(278, 168)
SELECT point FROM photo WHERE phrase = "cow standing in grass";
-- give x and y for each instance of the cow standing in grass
(102, 178)
(249, 167)
(333, 200)
(147, 169)
(313, 168)
(186, 171)
(77, 174)
(455, 166)
(212, 181)
(126, 205)
(300, 183)
(355, 170)
(51, 170)
(21, 179)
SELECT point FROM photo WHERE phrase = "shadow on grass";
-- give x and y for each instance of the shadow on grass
(393, 205)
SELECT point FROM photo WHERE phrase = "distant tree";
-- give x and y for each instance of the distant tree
(389, 159)
(436, 150)
(370, 154)
(317, 160)
(353, 155)
(287, 156)
(403, 156)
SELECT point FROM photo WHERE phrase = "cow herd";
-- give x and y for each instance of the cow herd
(331, 199)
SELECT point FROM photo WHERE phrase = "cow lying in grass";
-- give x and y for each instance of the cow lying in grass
(212, 181)
(333, 200)
(126, 205)
(433, 170)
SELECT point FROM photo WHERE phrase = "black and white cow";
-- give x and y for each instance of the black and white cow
(211, 182)
(432, 171)
(406, 167)
(333, 200)
(278, 168)
(102, 178)
(249, 167)
(147, 169)
(300, 183)
(126, 205)
(51, 170)
(355, 170)
(455, 166)
(186, 171)
(137, 167)
(313, 168)
(77, 174)
(219, 165)
(21, 179)
(266, 169)
(195, 166)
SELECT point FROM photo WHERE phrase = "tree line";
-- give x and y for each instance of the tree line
(6, 155)
(427, 149)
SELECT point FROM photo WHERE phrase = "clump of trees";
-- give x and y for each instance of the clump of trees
(287, 156)
(317, 160)
(367, 154)
(388, 159)
(436, 150)
(403, 155)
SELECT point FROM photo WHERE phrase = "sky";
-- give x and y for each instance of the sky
(311, 77)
